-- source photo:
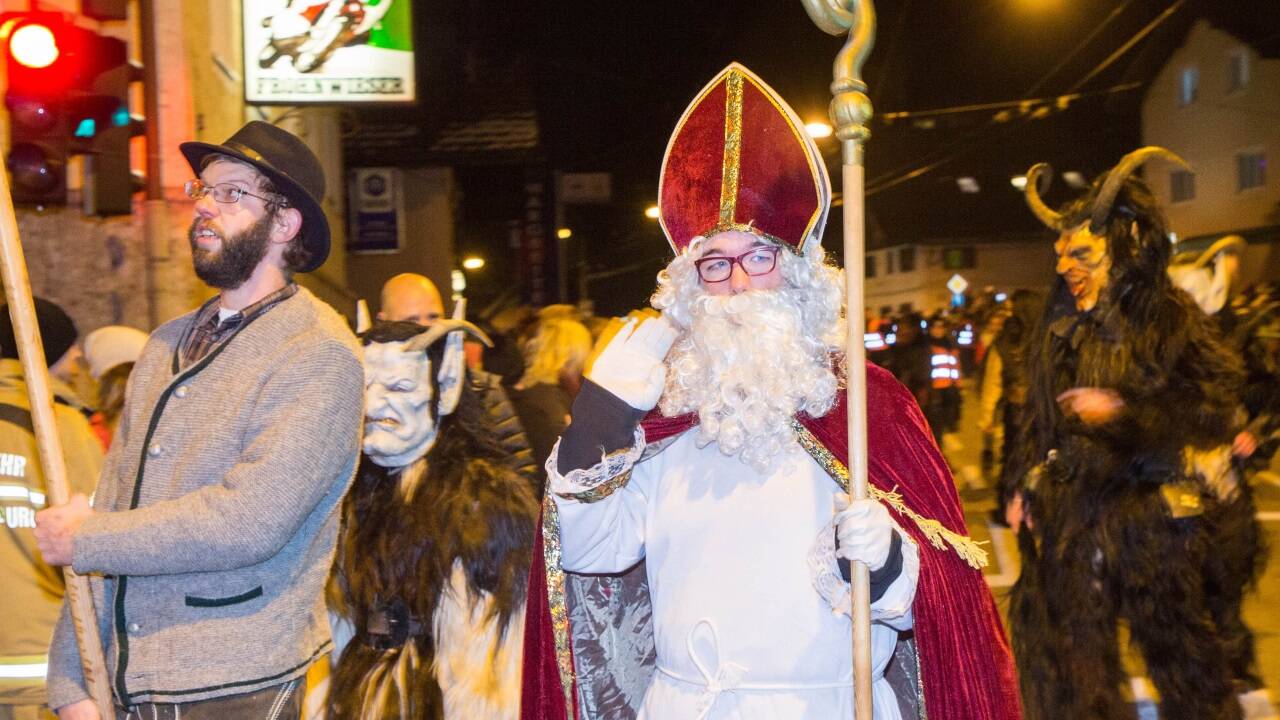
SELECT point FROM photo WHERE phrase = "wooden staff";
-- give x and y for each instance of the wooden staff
(850, 112)
(26, 331)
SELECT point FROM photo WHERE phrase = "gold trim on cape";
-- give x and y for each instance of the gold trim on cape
(556, 601)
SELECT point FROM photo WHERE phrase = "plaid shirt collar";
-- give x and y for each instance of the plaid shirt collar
(208, 329)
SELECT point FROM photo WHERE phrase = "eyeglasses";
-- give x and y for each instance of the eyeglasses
(227, 193)
(759, 260)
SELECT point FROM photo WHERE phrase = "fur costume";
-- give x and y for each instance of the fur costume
(1210, 280)
(431, 570)
(1126, 514)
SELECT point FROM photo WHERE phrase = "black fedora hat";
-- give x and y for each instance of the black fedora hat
(289, 164)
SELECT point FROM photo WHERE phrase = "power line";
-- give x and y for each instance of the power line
(1060, 100)
(878, 184)
(1039, 83)
(1083, 43)
(1132, 41)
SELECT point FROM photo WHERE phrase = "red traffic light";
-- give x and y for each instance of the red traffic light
(34, 45)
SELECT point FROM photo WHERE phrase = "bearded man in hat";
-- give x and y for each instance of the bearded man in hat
(734, 490)
(1125, 478)
(214, 522)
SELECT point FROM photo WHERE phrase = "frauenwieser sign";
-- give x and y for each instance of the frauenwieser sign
(335, 51)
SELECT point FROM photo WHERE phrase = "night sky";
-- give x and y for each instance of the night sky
(611, 80)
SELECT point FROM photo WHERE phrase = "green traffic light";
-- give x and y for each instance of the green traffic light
(87, 128)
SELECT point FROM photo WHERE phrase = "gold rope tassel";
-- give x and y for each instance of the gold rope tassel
(939, 536)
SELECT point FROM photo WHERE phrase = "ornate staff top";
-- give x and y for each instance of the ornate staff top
(850, 106)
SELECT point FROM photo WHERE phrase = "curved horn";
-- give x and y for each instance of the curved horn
(1032, 192)
(1229, 242)
(439, 329)
(1121, 172)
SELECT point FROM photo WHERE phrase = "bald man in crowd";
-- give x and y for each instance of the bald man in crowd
(411, 297)
(414, 298)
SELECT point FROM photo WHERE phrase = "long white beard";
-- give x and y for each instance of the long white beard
(747, 364)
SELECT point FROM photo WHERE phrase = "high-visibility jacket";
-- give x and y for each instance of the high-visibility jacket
(32, 591)
(944, 366)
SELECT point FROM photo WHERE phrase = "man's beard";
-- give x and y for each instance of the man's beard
(231, 265)
(747, 365)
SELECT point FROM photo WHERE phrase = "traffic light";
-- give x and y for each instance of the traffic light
(103, 128)
(69, 94)
(40, 63)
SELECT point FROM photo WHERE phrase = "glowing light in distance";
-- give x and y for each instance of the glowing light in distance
(818, 130)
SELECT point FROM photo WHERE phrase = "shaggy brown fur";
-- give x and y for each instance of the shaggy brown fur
(1105, 547)
(468, 506)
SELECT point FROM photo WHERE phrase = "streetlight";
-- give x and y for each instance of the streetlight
(651, 212)
(473, 263)
(564, 233)
(818, 130)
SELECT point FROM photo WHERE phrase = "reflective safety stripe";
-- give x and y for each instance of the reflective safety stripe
(23, 667)
(21, 492)
(945, 364)
(873, 341)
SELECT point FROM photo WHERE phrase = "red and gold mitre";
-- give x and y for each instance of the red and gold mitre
(740, 159)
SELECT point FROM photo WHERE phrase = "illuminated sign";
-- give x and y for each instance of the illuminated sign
(300, 51)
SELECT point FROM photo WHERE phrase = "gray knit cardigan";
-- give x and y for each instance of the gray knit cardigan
(217, 511)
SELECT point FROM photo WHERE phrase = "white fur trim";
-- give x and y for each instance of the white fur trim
(478, 672)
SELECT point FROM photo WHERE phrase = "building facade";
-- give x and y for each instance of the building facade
(915, 276)
(1216, 102)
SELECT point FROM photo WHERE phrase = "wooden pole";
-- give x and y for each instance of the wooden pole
(26, 331)
(850, 112)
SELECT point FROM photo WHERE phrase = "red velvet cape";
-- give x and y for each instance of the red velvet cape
(966, 667)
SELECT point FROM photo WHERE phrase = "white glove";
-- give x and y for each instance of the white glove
(630, 365)
(865, 531)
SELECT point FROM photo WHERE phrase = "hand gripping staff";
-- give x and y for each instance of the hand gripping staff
(850, 112)
(17, 290)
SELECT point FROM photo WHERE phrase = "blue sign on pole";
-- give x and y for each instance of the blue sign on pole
(376, 207)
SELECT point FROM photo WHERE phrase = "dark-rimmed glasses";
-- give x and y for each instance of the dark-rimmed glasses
(759, 260)
(227, 193)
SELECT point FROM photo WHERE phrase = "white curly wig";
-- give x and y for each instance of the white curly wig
(748, 363)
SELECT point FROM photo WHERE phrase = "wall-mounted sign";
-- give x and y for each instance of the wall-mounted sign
(330, 51)
(376, 206)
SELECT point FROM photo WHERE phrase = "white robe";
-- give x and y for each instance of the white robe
(741, 630)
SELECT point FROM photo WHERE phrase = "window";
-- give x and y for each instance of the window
(1189, 87)
(1237, 70)
(888, 262)
(907, 259)
(1182, 185)
(870, 269)
(1251, 170)
(959, 258)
